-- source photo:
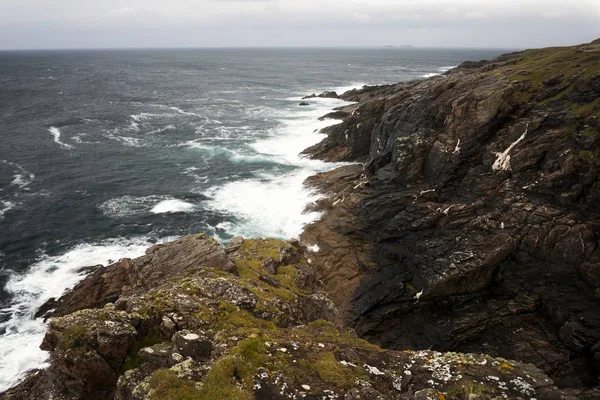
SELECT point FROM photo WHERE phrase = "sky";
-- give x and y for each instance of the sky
(63, 24)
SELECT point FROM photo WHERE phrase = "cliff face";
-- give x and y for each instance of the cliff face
(473, 225)
(193, 320)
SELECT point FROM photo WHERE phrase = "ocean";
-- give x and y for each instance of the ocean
(104, 153)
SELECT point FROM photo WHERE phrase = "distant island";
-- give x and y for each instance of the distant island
(405, 46)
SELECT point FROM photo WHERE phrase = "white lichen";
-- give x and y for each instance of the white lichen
(313, 248)
(373, 370)
(347, 364)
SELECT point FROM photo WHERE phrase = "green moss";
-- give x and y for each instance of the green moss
(587, 110)
(522, 97)
(471, 391)
(592, 132)
(167, 385)
(233, 321)
(410, 287)
(232, 377)
(157, 304)
(263, 248)
(326, 332)
(332, 372)
(252, 355)
(587, 156)
(558, 66)
(133, 359)
(219, 382)
(71, 337)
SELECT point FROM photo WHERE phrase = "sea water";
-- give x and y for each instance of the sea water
(104, 153)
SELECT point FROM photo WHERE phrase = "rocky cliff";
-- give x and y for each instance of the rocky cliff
(473, 223)
(466, 238)
(194, 320)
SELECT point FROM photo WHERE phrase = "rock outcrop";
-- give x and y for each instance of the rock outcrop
(186, 325)
(473, 223)
(468, 237)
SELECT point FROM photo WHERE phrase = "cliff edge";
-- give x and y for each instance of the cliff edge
(473, 224)
(194, 320)
(466, 238)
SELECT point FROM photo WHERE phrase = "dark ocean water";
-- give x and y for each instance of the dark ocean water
(103, 153)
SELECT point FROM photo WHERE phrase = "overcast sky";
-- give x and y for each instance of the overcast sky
(43, 24)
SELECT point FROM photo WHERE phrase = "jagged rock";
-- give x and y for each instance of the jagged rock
(329, 95)
(334, 115)
(325, 95)
(238, 337)
(193, 344)
(106, 284)
(234, 244)
(474, 224)
(471, 227)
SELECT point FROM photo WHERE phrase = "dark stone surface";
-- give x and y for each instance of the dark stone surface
(438, 244)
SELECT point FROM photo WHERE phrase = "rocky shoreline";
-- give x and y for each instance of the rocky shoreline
(474, 223)
(467, 237)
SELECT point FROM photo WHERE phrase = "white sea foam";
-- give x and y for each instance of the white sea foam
(55, 132)
(48, 277)
(439, 71)
(180, 111)
(173, 206)
(193, 172)
(21, 178)
(129, 206)
(5, 206)
(127, 140)
(161, 130)
(343, 89)
(144, 116)
(273, 204)
(272, 207)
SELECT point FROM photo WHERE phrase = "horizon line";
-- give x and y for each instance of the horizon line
(381, 47)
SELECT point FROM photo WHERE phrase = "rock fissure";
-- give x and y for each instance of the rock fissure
(467, 238)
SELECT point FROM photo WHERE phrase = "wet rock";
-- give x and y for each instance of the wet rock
(168, 327)
(234, 244)
(473, 224)
(193, 344)
(108, 283)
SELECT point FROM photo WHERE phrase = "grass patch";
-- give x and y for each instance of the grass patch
(332, 372)
(166, 384)
(471, 390)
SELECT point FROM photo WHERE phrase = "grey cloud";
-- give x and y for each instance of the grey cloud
(210, 23)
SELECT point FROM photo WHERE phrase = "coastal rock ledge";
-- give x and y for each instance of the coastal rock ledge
(194, 320)
(466, 238)
(473, 223)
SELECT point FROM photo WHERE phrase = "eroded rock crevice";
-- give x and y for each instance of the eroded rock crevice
(473, 225)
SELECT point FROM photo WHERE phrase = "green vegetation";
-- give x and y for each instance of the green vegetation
(132, 360)
(331, 371)
(471, 391)
(558, 67)
(71, 337)
(167, 385)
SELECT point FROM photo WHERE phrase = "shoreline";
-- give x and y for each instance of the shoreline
(426, 244)
(45, 306)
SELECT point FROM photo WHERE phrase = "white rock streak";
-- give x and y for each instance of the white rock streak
(502, 163)
(457, 148)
